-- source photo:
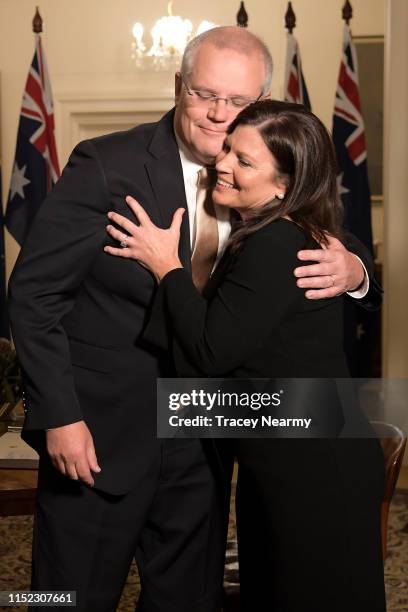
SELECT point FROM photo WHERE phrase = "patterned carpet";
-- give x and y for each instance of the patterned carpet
(15, 551)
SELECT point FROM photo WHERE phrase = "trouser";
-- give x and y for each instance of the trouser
(172, 523)
(308, 520)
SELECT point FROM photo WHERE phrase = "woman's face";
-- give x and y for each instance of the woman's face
(246, 169)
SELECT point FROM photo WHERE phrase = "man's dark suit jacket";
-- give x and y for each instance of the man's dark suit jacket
(78, 314)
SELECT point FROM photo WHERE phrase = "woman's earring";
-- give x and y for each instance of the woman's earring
(280, 196)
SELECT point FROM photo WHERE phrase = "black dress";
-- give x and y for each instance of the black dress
(308, 510)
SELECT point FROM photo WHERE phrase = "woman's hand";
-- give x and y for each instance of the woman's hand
(155, 248)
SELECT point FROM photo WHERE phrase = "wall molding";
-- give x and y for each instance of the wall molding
(80, 115)
(89, 105)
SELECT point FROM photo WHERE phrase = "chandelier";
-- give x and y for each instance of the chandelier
(170, 35)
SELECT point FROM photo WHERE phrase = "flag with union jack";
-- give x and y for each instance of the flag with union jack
(4, 324)
(349, 141)
(295, 85)
(350, 145)
(35, 167)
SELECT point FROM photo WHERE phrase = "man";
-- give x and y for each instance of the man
(108, 489)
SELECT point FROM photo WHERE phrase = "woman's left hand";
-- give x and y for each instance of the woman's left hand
(155, 248)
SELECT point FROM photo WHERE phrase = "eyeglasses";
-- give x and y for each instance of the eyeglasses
(207, 97)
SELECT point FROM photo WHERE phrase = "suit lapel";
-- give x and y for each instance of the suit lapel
(166, 179)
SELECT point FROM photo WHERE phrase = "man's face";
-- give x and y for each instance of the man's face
(202, 124)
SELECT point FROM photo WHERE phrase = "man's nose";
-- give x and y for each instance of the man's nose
(218, 111)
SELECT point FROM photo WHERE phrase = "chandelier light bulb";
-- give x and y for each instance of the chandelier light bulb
(170, 35)
(204, 26)
(137, 32)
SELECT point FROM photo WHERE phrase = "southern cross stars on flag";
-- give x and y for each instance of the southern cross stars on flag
(35, 167)
(295, 85)
(349, 141)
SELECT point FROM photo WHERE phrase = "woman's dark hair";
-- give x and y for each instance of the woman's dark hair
(306, 163)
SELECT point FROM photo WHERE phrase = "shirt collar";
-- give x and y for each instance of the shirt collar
(190, 167)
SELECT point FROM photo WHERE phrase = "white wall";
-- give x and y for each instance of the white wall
(395, 194)
(87, 46)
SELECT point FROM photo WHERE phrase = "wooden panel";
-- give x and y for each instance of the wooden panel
(17, 491)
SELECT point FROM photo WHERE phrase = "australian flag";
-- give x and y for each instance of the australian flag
(295, 85)
(4, 324)
(35, 167)
(349, 141)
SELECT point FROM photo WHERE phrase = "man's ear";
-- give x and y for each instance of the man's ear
(178, 84)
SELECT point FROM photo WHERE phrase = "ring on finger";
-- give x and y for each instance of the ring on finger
(123, 243)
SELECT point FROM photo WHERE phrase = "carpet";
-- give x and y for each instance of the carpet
(15, 558)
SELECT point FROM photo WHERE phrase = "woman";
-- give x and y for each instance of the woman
(307, 510)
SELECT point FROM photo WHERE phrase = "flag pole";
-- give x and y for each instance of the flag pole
(347, 12)
(37, 22)
(242, 17)
(290, 18)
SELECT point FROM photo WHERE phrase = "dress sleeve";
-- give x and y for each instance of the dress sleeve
(253, 297)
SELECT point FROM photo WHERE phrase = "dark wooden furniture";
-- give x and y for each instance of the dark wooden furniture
(17, 488)
(17, 491)
(393, 442)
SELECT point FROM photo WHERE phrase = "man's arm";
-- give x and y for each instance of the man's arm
(339, 270)
(67, 233)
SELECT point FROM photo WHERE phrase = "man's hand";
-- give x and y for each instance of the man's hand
(336, 272)
(72, 451)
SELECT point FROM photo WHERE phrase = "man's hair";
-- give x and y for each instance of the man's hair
(229, 37)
